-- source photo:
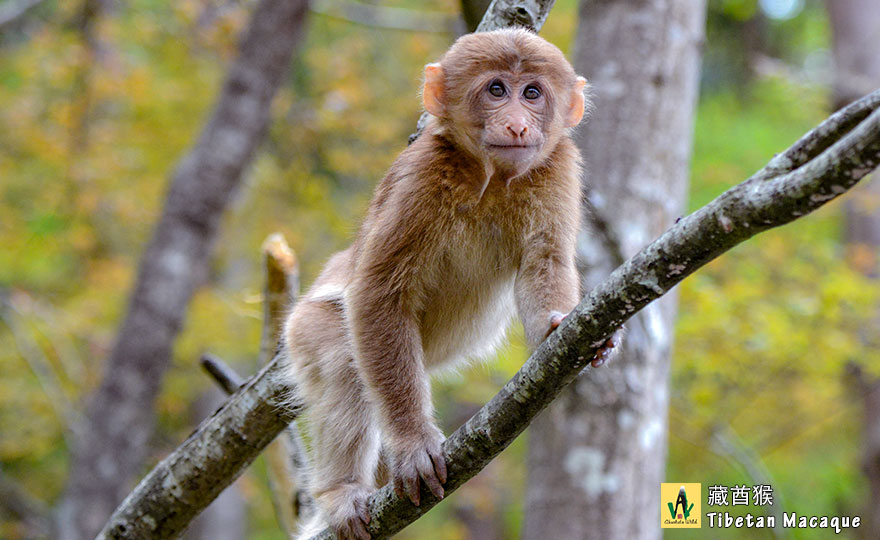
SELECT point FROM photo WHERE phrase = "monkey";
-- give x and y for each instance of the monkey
(474, 222)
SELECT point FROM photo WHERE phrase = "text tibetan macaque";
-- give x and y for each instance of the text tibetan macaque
(475, 221)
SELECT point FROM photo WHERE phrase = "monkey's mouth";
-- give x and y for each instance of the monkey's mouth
(513, 152)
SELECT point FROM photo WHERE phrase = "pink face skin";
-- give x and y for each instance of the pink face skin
(514, 109)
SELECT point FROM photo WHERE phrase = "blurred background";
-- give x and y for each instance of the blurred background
(774, 370)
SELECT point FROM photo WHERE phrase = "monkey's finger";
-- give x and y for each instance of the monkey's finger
(359, 530)
(555, 320)
(399, 488)
(603, 354)
(363, 512)
(412, 489)
(353, 529)
(433, 484)
(439, 465)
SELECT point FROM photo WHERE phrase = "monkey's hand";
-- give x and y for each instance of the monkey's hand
(421, 456)
(608, 349)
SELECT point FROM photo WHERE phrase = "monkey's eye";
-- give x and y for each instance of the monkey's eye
(496, 88)
(532, 92)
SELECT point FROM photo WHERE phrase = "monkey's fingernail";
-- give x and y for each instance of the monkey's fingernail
(440, 468)
(413, 489)
(364, 514)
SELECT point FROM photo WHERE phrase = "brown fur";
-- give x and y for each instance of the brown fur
(458, 233)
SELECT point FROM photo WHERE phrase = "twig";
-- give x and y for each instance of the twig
(230, 381)
(191, 476)
(225, 376)
(386, 17)
(11, 10)
(727, 444)
(42, 369)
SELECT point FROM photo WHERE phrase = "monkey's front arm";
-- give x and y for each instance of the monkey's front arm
(391, 362)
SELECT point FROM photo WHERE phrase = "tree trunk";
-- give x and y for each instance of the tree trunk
(113, 445)
(597, 454)
(855, 38)
(855, 33)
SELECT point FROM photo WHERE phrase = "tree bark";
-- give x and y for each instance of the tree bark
(855, 34)
(605, 438)
(120, 415)
(226, 517)
(818, 168)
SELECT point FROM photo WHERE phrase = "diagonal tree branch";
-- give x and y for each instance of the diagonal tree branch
(822, 165)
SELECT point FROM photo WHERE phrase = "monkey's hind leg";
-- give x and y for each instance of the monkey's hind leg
(344, 435)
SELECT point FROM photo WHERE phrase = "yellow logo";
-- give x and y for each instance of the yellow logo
(680, 506)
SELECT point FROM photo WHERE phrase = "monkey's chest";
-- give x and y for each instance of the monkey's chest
(469, 299)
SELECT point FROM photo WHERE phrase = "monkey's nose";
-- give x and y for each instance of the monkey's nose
(517, 128)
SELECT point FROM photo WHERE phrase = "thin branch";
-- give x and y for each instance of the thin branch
(279, 294)
(42, 369)
(11, 10)
(225, 376)
(727, 444)
(182, 484)
(386, 17)
(230, 381)
(601, 226)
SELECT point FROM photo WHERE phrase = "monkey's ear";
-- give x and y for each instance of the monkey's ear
(433, 95)
(576, 108)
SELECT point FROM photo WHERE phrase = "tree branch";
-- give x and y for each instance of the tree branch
(11, 10)
(279, 294)
(391, 18)
(821, 166)
(223, 375)
(68, 415)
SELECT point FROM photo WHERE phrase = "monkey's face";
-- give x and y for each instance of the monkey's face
(507, 97)
(514, 115)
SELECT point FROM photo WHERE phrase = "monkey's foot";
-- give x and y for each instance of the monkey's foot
(608, 350)
(346, 511)
(419, 458)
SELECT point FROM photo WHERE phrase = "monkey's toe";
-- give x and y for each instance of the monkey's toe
(349, 513)
(608, 350)
(423, 461)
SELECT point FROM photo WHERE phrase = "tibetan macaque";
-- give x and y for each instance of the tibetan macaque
(475, 220)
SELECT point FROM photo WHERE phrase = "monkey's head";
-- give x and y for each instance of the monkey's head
(508, 96)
